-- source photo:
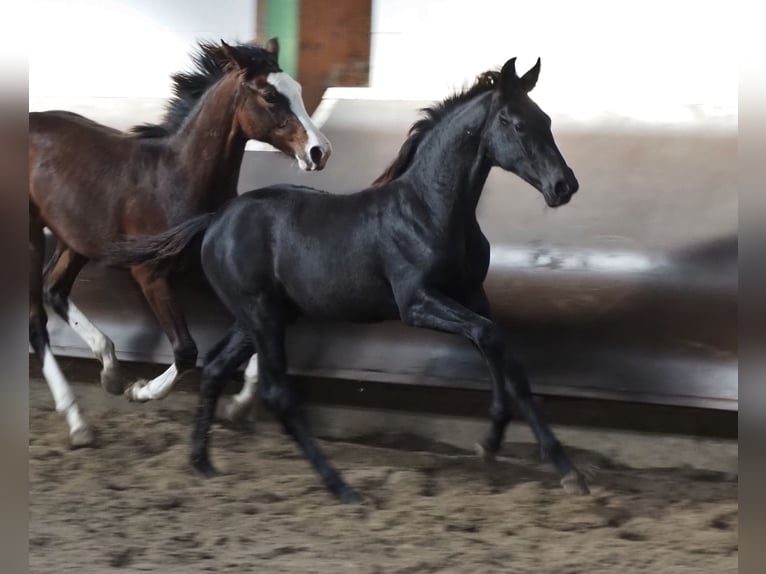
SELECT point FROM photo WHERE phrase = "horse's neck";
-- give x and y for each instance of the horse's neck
(450, 168)
(210, 146)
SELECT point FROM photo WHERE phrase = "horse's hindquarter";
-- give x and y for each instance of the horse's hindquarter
(65, 175)
(86, 179)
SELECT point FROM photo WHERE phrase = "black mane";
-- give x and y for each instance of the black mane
(210, 65)
(433, 115)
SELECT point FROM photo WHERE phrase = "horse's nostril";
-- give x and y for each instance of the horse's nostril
(562, 188)
(574, 186)
(316, 154)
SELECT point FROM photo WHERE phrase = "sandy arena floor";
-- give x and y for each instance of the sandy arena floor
(132, 505)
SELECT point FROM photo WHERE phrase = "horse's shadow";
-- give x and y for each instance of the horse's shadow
(519, 463)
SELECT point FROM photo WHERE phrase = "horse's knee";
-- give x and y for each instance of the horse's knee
(277, 399)
(519, 383)
(211, 372)
(488, 338)
(500, 411)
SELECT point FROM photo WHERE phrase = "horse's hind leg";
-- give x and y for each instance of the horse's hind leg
(161, 299)
(60, 276)
(236, 408)
(220, 364)
(267, 331)
(80, 433)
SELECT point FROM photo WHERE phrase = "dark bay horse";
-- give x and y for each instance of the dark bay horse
(408, 248)
(92, 185)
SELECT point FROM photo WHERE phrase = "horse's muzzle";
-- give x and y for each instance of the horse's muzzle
(316, 158)
(563, 190)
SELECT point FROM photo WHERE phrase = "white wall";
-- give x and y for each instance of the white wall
(657, 60)
(124, 48)
(654, 59)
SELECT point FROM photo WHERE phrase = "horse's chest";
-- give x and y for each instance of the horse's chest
(458, 280)
(460, 269)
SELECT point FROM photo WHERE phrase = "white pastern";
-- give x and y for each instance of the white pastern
(246, 396)
(99, 343)
(240, 404)
(158, 388)
(63, 396)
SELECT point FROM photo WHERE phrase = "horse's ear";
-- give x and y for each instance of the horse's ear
(234, 56)
(272, 46)
(510, 81)
(529, 80)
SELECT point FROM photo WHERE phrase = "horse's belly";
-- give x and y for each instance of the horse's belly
(342, 298)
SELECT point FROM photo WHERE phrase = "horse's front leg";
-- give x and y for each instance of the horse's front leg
(432, 310)
(158, 293)
(500, 411)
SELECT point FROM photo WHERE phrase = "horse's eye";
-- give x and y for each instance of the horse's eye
(520, 127)
(283, 124)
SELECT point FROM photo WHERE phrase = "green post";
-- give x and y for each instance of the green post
(282, 22)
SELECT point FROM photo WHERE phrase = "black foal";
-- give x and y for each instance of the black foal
(408, 248)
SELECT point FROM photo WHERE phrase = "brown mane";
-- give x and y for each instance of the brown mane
(210, 65)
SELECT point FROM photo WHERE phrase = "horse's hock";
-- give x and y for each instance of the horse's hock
(627, 293)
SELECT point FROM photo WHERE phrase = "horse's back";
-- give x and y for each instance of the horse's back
(63, 137)
(267, 207)
(53, 120)
(283, 191)
(76, 166)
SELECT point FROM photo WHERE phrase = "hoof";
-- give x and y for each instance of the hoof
(348, 496)
(82, 437)
(132, 392)
(574, 483)
(590, 471)
(203, 467)
(112, 383)
(485, 454)
(231, 411)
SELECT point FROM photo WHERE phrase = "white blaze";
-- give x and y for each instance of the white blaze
(291, 90)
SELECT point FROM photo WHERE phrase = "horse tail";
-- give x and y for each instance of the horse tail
(156, 250)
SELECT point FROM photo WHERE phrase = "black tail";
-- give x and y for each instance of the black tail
(157, 249)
